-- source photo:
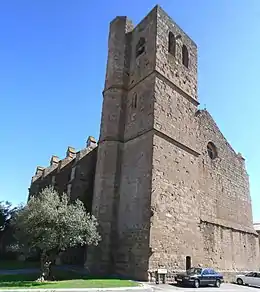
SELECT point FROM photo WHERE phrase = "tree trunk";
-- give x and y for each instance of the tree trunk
(52, 258)
(43, 260)
(45, 267)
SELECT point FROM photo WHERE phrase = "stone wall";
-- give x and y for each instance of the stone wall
(224, 178)
(139, 109)
(83, 175)
(143, 64)
(134, 208)
(225, 203)
(228, 249)
(201, 206)
(175, 209)
(174, 115)
(170, 66)
(257, 229)
(185, 221)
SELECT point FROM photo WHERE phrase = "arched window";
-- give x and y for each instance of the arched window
(212, 150)
(140, 47)
(185, 56)
(171, 44)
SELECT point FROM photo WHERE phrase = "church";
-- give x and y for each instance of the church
(167, 188)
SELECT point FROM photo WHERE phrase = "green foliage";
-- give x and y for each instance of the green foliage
(7, 212)
(52, 223)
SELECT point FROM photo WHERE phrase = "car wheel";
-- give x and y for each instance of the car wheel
(196, 283)
(217, 284)
(240, 281)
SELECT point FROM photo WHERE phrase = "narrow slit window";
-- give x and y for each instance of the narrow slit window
(185, 56)
(172, 44)
(134, 101)
(140, 47)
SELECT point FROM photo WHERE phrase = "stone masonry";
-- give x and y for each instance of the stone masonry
(165, 185)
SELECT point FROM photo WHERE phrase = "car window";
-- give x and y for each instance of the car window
(250, 274)
(258, 275)
(195, 271)
(205, 272)
(212, 272)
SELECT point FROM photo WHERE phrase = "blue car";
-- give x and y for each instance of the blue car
(197, 277)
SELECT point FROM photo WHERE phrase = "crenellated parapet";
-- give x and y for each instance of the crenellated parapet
(90, 145)
(70, 155)
(91, 142)
(54, 160)
(56, 164)
(38, 173)
(53, 165)
(71, 152)
(42, 172)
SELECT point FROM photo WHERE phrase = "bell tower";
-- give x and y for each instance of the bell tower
(174, 194)
(150, 99)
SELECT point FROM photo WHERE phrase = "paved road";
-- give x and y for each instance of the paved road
(224, 288)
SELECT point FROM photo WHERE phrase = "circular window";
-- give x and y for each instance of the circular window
(212, 150)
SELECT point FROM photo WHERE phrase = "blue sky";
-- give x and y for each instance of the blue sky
(52, 68)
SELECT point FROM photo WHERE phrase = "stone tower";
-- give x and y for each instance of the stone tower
(153, 193)
(145, 74)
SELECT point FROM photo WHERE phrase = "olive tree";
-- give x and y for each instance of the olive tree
(52, 223)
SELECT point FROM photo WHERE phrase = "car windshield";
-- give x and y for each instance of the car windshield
(194, 271)
(251, 274)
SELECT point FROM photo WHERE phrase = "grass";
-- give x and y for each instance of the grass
(15, 265)
(64, 280)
